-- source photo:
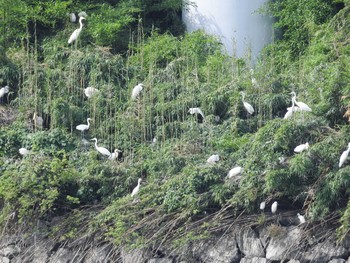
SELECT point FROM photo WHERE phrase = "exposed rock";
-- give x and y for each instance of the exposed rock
(62, 255)
(326, 251)
(4, 260)
(285, 245)
(160, 260)
(337, 260)
(293, 261)
(135, 256)
(10, 251)
(254, 260)
(249, 243)
(219, 250)
(97, 254)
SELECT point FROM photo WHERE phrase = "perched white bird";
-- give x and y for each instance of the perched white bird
(301, 218)
(90, 91)
(82, 13)
(196, 111)
(274, 207)
(301, 147)
(291, 110)
(84, 127)
(137, 188)
(101, 150)
(115, 154)
(38, 121)
(73, 17)
(262, 205)
(136, 91)
(246, 105)
(344, 155)
(301, 105)
(235, 171)
(4, 90)
(74, 36)
(213, 159)
(23, 151)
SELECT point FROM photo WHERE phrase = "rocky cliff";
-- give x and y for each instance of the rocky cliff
(280, 238)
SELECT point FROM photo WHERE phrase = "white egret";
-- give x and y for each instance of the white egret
(235, 171)
(196, 111)
(101, 150)
(301, 147)
(274, 207)
(115, 155)
(301, 218)
(246, 105)
(90, 91)
(74, 36)
(84, 127)
(344, 155)
(136, 91)
(4, 90)
(301, 105)
(137, 188)
(23, 151)
(291, 110)
(38, 121)
(213, 158)
(262, 205)
(73, 17)
(82, 13)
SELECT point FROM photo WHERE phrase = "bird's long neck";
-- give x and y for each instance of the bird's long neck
(81, 24)
(88, 121)
(243, 95)
(96, 144)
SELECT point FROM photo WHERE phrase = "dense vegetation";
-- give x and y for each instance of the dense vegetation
(181, 197)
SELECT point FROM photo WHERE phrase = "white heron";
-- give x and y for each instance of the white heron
(301, 105)
(137, 188)
(344, 155)
(291, 110)
(74, 36)
(90, 91)
(301, 218)
(234, 172)
(82, 13)
(213, 158)
(274, 207)
(136, 91)
(84, 127)
(4, 90)
(115, 154)
(101, 150)
(72, 17)
(262, 205)
(38, 121)
(196, 111)
(246, 105)
(301, 147)
(23, 151)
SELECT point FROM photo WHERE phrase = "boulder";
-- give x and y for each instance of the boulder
(254, 260)
(337, 260)
(249, 243)
(97, 254)
(160, 260)
(135, 255)
(325, 251)
(62, 255)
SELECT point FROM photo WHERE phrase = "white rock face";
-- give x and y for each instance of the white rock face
(249, 243)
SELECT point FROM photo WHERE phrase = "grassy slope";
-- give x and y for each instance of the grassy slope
(181, 196)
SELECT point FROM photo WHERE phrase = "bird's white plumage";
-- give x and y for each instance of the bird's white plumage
(4, 90)
(196, 111)
(301, 147)
(114, 154)
(23, 151)
(235, 171)
(101, 150)
(74, 36)
(262, 205)
(90, 91)
(301, 105)
(213, 158)
(137, 188)
(344, 155)
(136, 91)
(301, 218)
(84, 127)
(249, 108)
(274, 207)
(73, 17)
